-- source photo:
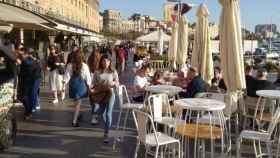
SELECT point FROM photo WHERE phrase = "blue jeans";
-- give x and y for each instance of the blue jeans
(35, 94)
(105, 112)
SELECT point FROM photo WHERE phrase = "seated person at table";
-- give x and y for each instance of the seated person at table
(157, 78)
(218, 81)
(261, 83)
(195, 86)
(277, 82)
(140, 83)
(250, 81)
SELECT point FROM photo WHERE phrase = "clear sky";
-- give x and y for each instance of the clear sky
(252, 11)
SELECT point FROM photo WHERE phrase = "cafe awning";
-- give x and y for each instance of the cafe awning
(71, 28)
(22, 18)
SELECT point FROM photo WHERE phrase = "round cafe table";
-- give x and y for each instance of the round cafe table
(200, 104)
(191, 128)
(167, 89)
(272, 94)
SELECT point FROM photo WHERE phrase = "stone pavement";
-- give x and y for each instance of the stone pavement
(49, 133)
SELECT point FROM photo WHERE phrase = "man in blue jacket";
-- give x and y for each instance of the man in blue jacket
(195, 86)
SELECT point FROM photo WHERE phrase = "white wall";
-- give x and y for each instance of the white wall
(248, 45)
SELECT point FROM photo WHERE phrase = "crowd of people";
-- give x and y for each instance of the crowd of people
(195, 85)
(97, 77)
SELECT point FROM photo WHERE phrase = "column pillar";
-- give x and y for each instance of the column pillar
(51, 38)
(21, 35)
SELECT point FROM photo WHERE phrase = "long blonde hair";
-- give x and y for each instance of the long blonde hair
(77, 62)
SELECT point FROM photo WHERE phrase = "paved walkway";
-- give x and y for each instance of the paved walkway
(49, 133)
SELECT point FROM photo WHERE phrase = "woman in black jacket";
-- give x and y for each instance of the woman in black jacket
(56, 69)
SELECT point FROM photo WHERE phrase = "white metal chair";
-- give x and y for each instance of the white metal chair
(125, 106)
(258, 136)
(150, 137)
(159, 104)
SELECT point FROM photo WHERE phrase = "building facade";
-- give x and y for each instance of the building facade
(127, 26)
(214, 30)
(111, 20)
(83, 13)
(265, 29)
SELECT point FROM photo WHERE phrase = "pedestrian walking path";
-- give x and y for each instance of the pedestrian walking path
(49, 134)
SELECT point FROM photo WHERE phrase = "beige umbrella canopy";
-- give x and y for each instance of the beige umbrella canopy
(172, 51)
(232, 63)
(202, 55)
(182, 49)
(231, 46)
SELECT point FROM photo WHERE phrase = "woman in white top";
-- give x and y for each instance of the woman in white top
(55, 65)
(140, 83)
(106, 79)
(79, 78)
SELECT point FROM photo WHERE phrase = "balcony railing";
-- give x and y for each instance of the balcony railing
(39, 10)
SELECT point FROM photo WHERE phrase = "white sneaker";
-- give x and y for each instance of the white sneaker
(94, 120)
(62, 96)
(38, 107)
(55, 101)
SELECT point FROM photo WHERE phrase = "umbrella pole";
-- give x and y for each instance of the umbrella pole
(179, 10)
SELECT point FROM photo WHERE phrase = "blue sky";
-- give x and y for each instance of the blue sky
(252, 11)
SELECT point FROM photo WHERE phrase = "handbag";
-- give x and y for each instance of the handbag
(61, 70)
(101, 96)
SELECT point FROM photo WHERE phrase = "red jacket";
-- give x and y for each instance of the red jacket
(121, 55)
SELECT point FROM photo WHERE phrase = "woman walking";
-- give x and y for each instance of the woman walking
(93, 63)
(105, 80)
(79, 79)
(55, 65)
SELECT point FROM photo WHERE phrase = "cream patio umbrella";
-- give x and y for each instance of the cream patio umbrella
(202, 55)
(160, 42)
(232, 63)
(182, 49)
(172, 51)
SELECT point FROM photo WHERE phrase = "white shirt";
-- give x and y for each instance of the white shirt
(85, 73)
(141, 82)
(105, 78)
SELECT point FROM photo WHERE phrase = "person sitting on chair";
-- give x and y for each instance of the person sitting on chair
(261, 83)
(218, 80)
(277, 82)
(140, 83)
(195, 86)
(250, 80)
(157, 78)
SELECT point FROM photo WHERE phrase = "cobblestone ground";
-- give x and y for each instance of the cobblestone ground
(49, 133)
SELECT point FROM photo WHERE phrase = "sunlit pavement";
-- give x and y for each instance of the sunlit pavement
(49, 133)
